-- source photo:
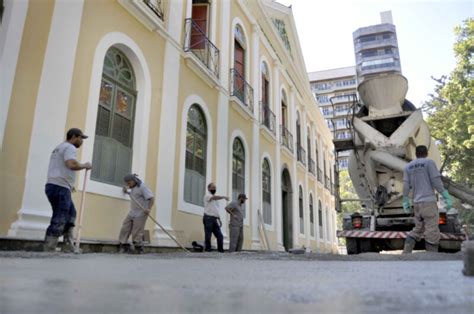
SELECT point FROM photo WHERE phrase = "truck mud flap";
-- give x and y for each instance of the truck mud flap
(392, 235)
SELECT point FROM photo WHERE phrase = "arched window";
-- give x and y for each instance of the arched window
(301, 210)
(265, 97)
(308, 147)
(239, 63)
(267, 192)
(113, 145)
(238, 169)
(196, 153)
(328, 225)
(284, 110)
(311, 215)
(320, 219)
(299, 148)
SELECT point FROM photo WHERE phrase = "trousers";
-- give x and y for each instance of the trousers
(426, 222)
(64, 212)
(134, 226)
(236, 238)
(211, 226)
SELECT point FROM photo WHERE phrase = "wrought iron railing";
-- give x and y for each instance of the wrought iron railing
(241, 89)
(301, 154)
(286, 138)
(311, 166)
(156, 7)
(196, 41)
(320, 175)
(267, 117)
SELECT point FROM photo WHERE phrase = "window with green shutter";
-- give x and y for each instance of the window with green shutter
(267, 192)
(238, 170)
(196, 156)
(113, 145)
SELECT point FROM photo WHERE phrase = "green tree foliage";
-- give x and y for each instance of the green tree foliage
(347, 191)
(450, 109)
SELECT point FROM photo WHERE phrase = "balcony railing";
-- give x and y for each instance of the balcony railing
(241, 89)
(196, 41)
(286, 138)
(327, 183)
(155, 6)
(267, 117)
(311, 166)
(301, 154)
(320, 175)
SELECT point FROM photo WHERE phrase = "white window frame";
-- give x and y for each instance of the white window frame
(182, 204)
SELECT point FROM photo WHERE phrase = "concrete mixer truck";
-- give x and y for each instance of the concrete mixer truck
(385, 129)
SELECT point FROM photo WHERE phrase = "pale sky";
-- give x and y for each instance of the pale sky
(424, 30)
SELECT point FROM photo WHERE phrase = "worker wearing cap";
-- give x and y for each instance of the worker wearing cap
(422, 177)
(61, 178)
(134, 223)
(236, 224)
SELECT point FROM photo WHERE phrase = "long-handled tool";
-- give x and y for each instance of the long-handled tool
(157, 223)
(77, 249)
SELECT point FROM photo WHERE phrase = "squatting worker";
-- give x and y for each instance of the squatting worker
(422, 177)
(140, 205)
(61, 178)
(211, 220)
(236, 224)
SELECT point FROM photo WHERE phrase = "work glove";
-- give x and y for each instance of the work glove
(447, 199)
(406, 204)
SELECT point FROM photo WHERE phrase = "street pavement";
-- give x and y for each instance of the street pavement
(233, 283)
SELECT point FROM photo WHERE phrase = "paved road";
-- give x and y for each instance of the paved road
(237, 283)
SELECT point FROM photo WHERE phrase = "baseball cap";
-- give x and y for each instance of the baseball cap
(76, 132)
(242, 195)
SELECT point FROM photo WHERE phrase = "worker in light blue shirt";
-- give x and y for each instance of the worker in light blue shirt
(422, 177)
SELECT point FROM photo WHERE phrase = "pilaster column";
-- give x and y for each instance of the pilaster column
(255, 174)
(53, 96)
(277, 165)
(222, 123)
(168, 121)
(292, 125)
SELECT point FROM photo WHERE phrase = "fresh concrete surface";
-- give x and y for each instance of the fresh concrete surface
(233, 283)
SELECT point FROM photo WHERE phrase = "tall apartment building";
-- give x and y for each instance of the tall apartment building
(376, 52)
(335, 91)
(376, 48)
(183, 93)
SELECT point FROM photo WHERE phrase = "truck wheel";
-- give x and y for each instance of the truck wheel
(351, 245)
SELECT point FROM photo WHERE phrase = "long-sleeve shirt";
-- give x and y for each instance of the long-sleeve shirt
(422, 176)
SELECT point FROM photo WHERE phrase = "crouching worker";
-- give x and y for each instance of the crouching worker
(134, 224)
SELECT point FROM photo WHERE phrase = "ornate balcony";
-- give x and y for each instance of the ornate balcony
(155, 7)
(241, 89)
(286, 138)
(196, 41)
(267, 117)
(301, 154)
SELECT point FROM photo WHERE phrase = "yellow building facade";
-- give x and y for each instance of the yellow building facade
(181, 92)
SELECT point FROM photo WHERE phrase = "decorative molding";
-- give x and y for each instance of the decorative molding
(144, 14)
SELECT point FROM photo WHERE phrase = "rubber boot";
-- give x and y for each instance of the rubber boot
(409, 245)
(50, 243)
(68, 243)
(138, 248)
(124, 248)
(431, 247)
